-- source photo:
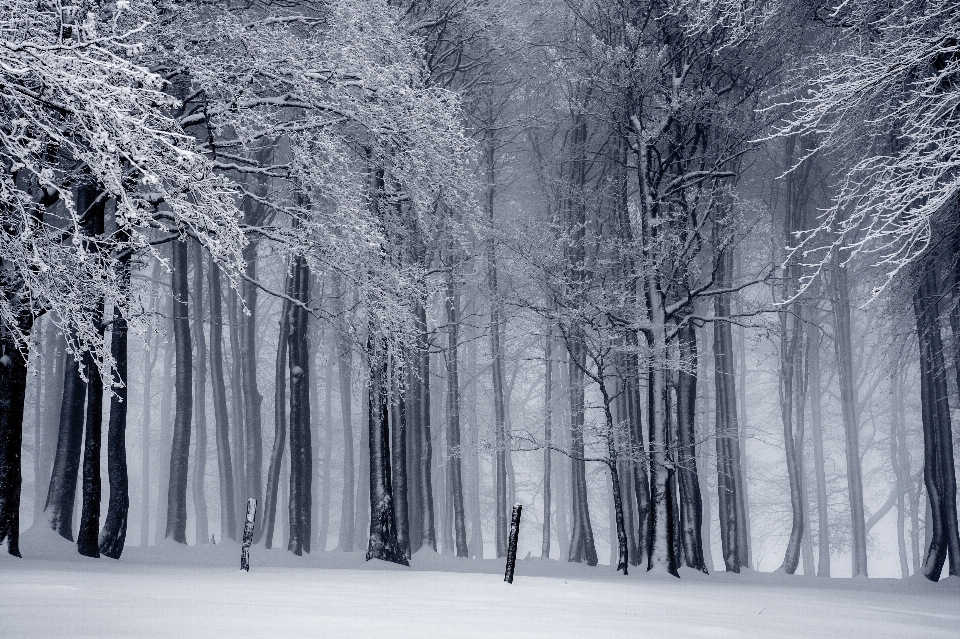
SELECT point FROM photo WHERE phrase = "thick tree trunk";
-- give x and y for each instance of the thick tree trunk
(398, 419)
(149, 363)
(301, 449)
(55, 363)
(252, 400)
(200, 404)
(164, 443)
(848, 400)
(383, 533)
(13, 390)
(939, 472)
(88, 537)
(582, 547)
(691, 506)
(63, 480)
(114, 533)
(183, 388)
(228, 504)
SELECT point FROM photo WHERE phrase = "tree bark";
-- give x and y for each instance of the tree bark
(383, 533)
(840, 301)
(547, 440)
(454, 466)
(183, 388)
(301, 449)
(691, 505)
(345, 368)
(582, 548)
(13, 390)
(228, 505)
(114, 533)
(398, 431)
(279, 420)
(939, 473)
(200, 404)
(816, 432)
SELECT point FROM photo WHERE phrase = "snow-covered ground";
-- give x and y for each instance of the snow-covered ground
(175, 591)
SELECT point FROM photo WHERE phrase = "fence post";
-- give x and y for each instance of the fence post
(512, 547)
(248, 534)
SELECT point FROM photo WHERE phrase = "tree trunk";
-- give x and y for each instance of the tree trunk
(582, 548)
(816, 431)
(200, 404)
(427, 525)
(149, 362)
(13, 390)
(301, 449)
(398, 418)
(547, 440)
(454, 466)
(324, 519)
(279, 421)
(691, 506)
(55, 363)
(345, 368)
(848, 399)
(237, 404)
(939, 473)
(252, 400)
(114, 533)
(383, 533)
(183, 388)
(228, 505)
(164, 443)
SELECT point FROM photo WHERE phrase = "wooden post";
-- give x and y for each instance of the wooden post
(248, 534)
(512, 547)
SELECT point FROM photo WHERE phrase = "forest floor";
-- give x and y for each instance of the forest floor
(176, 591)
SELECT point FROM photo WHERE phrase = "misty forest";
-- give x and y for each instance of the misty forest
(679, 277)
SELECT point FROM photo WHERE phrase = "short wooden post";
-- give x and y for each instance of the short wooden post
(512, 547)
(248, 534)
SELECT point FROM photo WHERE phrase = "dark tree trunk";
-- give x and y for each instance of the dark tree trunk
(279, 421)
(63, 480)
(383, 532)
(236, 403)
(114, 533)
(691, 506)
(228, 504)
(427, 526)
(183, 389)
(301, 453)
(412, 423)
(54, 366)
(13, 390)
(582, 548)
(252, 400)
(939, 472)
(324, 518)
(398, 418)
(149, 363)
(200, 404)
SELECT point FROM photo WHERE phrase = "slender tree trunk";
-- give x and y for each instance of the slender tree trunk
(200, 404)
(428, 527)
(547, 440)
(454, 466)
(228, 511)
(816, 431)
(324, 519)
(149, 362)
(901, 474)
(848, 400)
(114, 533)
(164, 444)
(55, 363)
(40, 392)
(237, 404)
(345, 368)
(279, 420)
(183, 385)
